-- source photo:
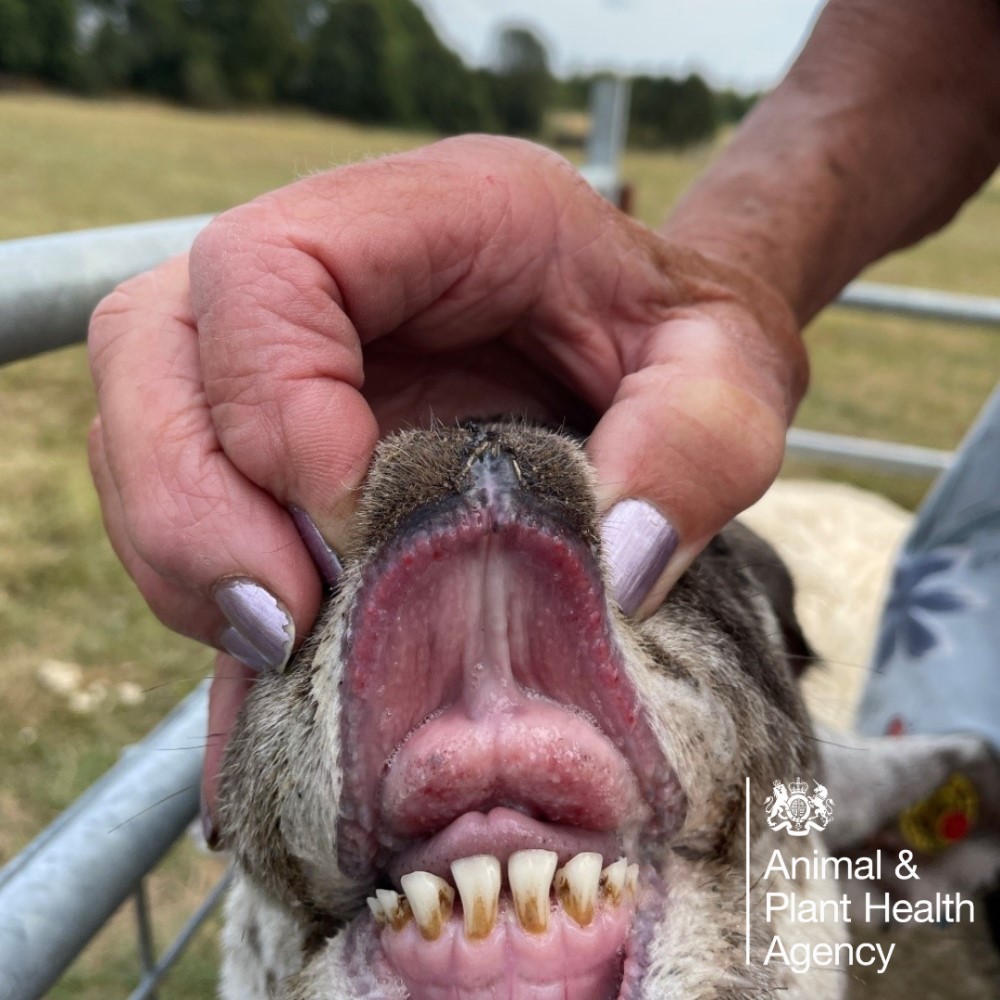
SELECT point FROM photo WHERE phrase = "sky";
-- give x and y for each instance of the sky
(742, 43)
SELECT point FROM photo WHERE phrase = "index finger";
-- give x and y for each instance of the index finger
(445, 245)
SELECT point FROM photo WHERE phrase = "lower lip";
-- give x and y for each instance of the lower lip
(501, 832)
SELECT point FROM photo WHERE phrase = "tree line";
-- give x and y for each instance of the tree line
(372, 61)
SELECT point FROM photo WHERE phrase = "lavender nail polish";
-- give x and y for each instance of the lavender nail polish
(235, 645)
(638, 543)
(322, 555)
(262, 632)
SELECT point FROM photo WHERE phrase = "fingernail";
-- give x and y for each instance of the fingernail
(322, 555)
(235, 645)
(262, 632)
(208, 827)
(638, 543)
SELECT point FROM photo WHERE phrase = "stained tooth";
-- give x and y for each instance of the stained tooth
(530, 876)
(576, 884)
(431, 900)
(478, 882)
(377, 912)
(632, 879)
(613, 880)
(396, 908)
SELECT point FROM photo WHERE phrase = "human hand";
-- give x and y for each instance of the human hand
(474, 276)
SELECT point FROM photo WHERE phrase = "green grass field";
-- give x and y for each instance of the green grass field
(69, 164)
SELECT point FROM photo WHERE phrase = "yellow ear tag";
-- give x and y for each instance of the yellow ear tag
(943, 819)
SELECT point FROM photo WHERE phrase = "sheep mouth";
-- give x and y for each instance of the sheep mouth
(501, 778)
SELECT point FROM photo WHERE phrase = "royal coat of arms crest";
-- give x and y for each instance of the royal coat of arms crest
(796, 809)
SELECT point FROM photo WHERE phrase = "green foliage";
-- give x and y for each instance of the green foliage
(573, 93)
(671, 113)
(53, 24)
(348, 72)
(253, 41)
(371, 61)
(381, 61)
(203, 52)
(108, 62)
(437, 89)
(38, 37)
(446, 95)
(731, 106)
(203, 81)
(521, 84)
(20, 48)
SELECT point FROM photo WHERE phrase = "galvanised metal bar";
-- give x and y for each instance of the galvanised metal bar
(609, 102)
(922, 303)
(884, 456)
(147, 986)
(144, 929)
(49, 285)
(59, 891)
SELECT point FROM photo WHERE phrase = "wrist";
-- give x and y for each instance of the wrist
(738, 219)
(887, 123)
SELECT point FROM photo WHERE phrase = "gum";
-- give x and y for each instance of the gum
(566, 960)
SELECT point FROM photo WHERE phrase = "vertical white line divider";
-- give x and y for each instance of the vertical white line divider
(746, 896)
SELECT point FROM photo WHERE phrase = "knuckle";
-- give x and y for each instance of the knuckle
(144, 302)
(106, 323)
(210, 241)
(229, 235)
(177, 511)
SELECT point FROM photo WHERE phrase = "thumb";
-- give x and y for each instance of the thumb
(684, 447)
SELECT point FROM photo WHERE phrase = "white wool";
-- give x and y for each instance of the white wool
(840, 544)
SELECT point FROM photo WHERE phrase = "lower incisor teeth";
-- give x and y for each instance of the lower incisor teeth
(576, 884)
(632, 879)
(431, 900)
(613, 880)
(377, 912)
(478, 882)
(530, 876)
(395, 907)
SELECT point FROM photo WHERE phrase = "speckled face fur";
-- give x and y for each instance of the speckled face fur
(475, 736)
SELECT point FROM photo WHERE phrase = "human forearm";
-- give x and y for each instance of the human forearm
(886, 124)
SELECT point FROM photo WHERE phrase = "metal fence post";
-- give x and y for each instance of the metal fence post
(609, 103)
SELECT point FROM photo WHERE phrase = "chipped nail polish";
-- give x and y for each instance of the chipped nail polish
(235, 645)
(262, 632)
(638, 543)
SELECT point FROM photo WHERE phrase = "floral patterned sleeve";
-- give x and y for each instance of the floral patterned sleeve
(936, 666)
